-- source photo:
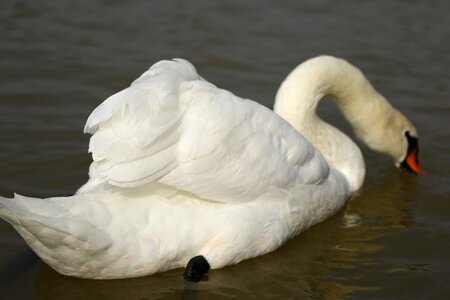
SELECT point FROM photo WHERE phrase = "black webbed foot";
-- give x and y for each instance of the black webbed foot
(196, 268)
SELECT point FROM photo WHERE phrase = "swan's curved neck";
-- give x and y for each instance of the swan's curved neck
(297, 100)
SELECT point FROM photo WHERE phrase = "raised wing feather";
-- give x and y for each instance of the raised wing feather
(173, 127)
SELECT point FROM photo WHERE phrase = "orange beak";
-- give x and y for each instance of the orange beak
(411, 161)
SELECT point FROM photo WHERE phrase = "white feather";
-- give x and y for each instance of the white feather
(183, 168)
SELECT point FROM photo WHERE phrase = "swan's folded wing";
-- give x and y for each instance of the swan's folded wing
(232, 149)
(135, 131)
(199, 139)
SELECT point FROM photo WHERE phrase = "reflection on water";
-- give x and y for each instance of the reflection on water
(61, 59)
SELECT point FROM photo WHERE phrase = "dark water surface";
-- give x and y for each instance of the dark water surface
(60, 59)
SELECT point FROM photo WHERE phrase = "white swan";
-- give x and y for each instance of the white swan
(182, 169)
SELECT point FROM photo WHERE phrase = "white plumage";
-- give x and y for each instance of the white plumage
(172, 127)
(182, 168)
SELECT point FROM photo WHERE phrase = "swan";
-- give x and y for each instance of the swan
(185, 174)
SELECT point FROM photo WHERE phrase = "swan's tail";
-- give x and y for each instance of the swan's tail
(54, 228)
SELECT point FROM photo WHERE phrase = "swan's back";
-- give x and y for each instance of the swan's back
(173, 127)
(180, 168)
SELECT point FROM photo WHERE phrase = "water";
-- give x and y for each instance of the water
(60, 59)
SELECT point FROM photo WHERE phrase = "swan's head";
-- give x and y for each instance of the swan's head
(397, 137)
